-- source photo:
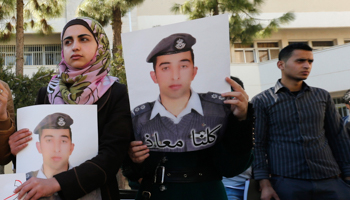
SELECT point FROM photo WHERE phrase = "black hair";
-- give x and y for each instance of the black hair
(239, 81)
(154, 60)
(346, 97)
(287, 51)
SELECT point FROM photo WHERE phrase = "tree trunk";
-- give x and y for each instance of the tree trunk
(19, 38)
(117, 30)
(216, 10)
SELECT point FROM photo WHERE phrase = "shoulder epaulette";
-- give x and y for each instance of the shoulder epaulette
(213, 97)
(138, 110)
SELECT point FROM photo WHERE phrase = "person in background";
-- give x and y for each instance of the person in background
(346, 119)
(7, 124)
(83, 79)
(235, 186)
(301, 146)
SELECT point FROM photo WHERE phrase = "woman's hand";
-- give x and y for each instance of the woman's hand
(138, 152)
(239, 100)
(19, 140)
(37, 188)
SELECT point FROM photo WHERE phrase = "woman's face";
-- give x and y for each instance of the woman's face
(79, 46)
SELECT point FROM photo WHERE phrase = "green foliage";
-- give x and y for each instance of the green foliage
(117, 68)
(24, 88)
(102, 10)
(244, 24)
(36, 14)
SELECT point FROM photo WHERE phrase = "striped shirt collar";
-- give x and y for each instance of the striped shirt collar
(279, 86)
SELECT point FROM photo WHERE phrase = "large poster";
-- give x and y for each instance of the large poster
(175, 75)
(64, 136)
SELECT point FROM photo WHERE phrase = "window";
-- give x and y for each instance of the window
(294, 42)
(268, 51)
(33, 54)
(317, 45)
(244, 53)
(263, 51)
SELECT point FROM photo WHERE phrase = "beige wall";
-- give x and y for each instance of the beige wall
(37, 39)
(157, 7)
(305, 6)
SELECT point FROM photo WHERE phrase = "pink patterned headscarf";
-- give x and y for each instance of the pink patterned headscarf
(87, 85)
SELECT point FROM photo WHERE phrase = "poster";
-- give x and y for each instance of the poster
(175, 76)
(64, 136)
(8, 183)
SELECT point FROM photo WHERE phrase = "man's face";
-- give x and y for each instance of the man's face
(174, 74)
(56, 146)
(298, 66)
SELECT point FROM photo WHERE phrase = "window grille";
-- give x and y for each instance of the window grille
(33, 54)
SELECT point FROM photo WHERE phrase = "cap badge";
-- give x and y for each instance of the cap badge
(180, 44)
(61, 121)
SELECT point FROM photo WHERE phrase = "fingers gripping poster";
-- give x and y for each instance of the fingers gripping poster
(176, 75)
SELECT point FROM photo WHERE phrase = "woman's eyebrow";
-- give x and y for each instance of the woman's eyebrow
(82, 35)
(79, 36)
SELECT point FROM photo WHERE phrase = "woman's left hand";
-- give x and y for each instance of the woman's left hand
(239, 100)
(37, 188)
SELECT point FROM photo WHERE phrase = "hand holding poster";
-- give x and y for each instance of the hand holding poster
(182, 70)
(8, 183)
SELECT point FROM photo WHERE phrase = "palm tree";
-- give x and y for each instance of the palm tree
(33, 14)
(244, 22)
(106, 11)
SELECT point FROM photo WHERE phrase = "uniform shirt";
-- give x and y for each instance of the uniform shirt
(299, 136)
(94, 195)
(198, 126)
(193, 103)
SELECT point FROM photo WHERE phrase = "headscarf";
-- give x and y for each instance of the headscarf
(86, 85)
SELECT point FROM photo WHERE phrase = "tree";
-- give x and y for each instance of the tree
(244, 22)
(106, 11)
(34, 14)
(25, 88)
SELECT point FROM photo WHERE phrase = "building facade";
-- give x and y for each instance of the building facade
(322, 24)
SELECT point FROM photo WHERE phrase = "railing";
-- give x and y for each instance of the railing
(48, 54)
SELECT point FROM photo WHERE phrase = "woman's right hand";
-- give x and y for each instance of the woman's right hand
(19, 140)
(138, 152)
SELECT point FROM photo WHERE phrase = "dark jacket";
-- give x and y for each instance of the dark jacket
(228, 157)
(114, 131)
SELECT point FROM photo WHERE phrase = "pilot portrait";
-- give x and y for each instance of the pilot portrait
(55, 145)
(179, 119)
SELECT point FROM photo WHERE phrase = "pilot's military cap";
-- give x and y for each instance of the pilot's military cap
(175, 43)
(54, 121)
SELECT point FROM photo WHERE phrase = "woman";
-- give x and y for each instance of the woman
(7, 125)
(83, 79)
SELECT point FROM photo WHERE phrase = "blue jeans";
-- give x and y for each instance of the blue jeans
(234, 194)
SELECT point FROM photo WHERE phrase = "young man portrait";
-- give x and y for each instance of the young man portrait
(301, 148)
(55, 145)
(180, 119)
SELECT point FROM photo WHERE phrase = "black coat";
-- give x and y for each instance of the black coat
(114, 131)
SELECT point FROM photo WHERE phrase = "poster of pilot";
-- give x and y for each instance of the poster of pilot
(176, 75)
(63, 136)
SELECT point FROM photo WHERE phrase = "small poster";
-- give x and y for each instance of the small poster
(64, 136)
(8, 183)
(176, 74)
